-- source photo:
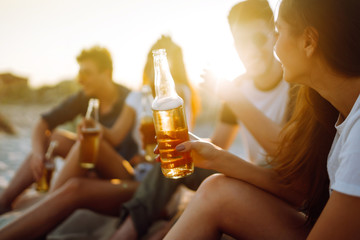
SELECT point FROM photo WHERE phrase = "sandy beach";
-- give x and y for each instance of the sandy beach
(13, 150)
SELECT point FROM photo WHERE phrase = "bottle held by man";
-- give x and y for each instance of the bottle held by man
(170, 121)
(89, 146)
(43, 185)
(147, 127)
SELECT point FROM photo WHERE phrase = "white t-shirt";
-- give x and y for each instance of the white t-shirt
(273, 104)
(344, 157)
(133, 100)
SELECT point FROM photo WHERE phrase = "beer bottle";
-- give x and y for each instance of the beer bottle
(170, 121)
(89, 146)
(147, 127)
(44, 182)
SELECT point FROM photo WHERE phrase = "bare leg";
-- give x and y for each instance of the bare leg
(99, 195)
(227, 205)
(109, 165)
(127, 231)
(24, 178)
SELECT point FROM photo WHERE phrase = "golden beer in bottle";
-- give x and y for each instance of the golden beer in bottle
(147, 127)
(43, 185)
(170, 121)
(89, 146)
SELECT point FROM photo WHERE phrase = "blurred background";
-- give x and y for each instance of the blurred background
(40, 40)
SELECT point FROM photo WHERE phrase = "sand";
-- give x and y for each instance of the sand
(83, 224)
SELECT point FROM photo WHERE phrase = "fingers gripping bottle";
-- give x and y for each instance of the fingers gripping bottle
(170, 121)
(89, 146)
(43, 185)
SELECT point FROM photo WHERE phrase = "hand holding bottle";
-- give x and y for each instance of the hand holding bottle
(203, 152)
(89, 146)
(170, 121)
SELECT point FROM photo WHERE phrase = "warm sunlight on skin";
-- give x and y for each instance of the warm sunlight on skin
(41, 38)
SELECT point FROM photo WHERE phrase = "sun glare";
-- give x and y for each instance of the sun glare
(41, 38)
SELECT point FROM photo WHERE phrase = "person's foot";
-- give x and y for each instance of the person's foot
(126, 231)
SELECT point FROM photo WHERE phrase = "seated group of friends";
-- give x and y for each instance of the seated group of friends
(297, 108)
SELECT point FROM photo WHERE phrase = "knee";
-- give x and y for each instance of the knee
(214, 182)
(73, 189)
(211, 189)
(73, 185)
(219, 189)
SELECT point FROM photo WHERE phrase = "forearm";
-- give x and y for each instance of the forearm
(121, 128)
(39, 137)
(109, 136)
(264, 130)
(224, 135)
(264, 178)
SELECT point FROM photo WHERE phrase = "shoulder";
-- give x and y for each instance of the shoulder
(182, 87)
(133, 96)
(346, 154)
(241, 79)
(77, 99)
(184, 91)
(133, 99)
(123, 91)
(351, 132)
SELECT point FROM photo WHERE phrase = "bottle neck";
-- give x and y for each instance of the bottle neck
(164, 83)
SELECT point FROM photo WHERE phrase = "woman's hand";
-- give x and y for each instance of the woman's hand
(204, 154)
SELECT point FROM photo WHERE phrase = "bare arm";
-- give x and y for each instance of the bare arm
(339, 219)
(39, 138)
(209, 156)
(121, 128)
(264, 178)
(39, 143)
(224, 135)
(263, 129)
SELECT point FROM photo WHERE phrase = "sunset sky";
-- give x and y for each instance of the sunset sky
(40, 39)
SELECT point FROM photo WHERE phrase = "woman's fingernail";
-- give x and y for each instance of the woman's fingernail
(180, 147)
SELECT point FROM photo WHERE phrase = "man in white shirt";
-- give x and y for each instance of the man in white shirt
(256, 101)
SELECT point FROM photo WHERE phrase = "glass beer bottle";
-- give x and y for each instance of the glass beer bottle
(170, 121)
(147, 127)
(44, 182)
(89, 145)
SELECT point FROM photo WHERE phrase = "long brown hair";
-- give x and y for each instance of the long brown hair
(177, 69)
(302, 154)
(306, 139)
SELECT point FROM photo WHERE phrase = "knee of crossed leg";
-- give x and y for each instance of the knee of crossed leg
(73, 188)
(217, 190)
(211, 190)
